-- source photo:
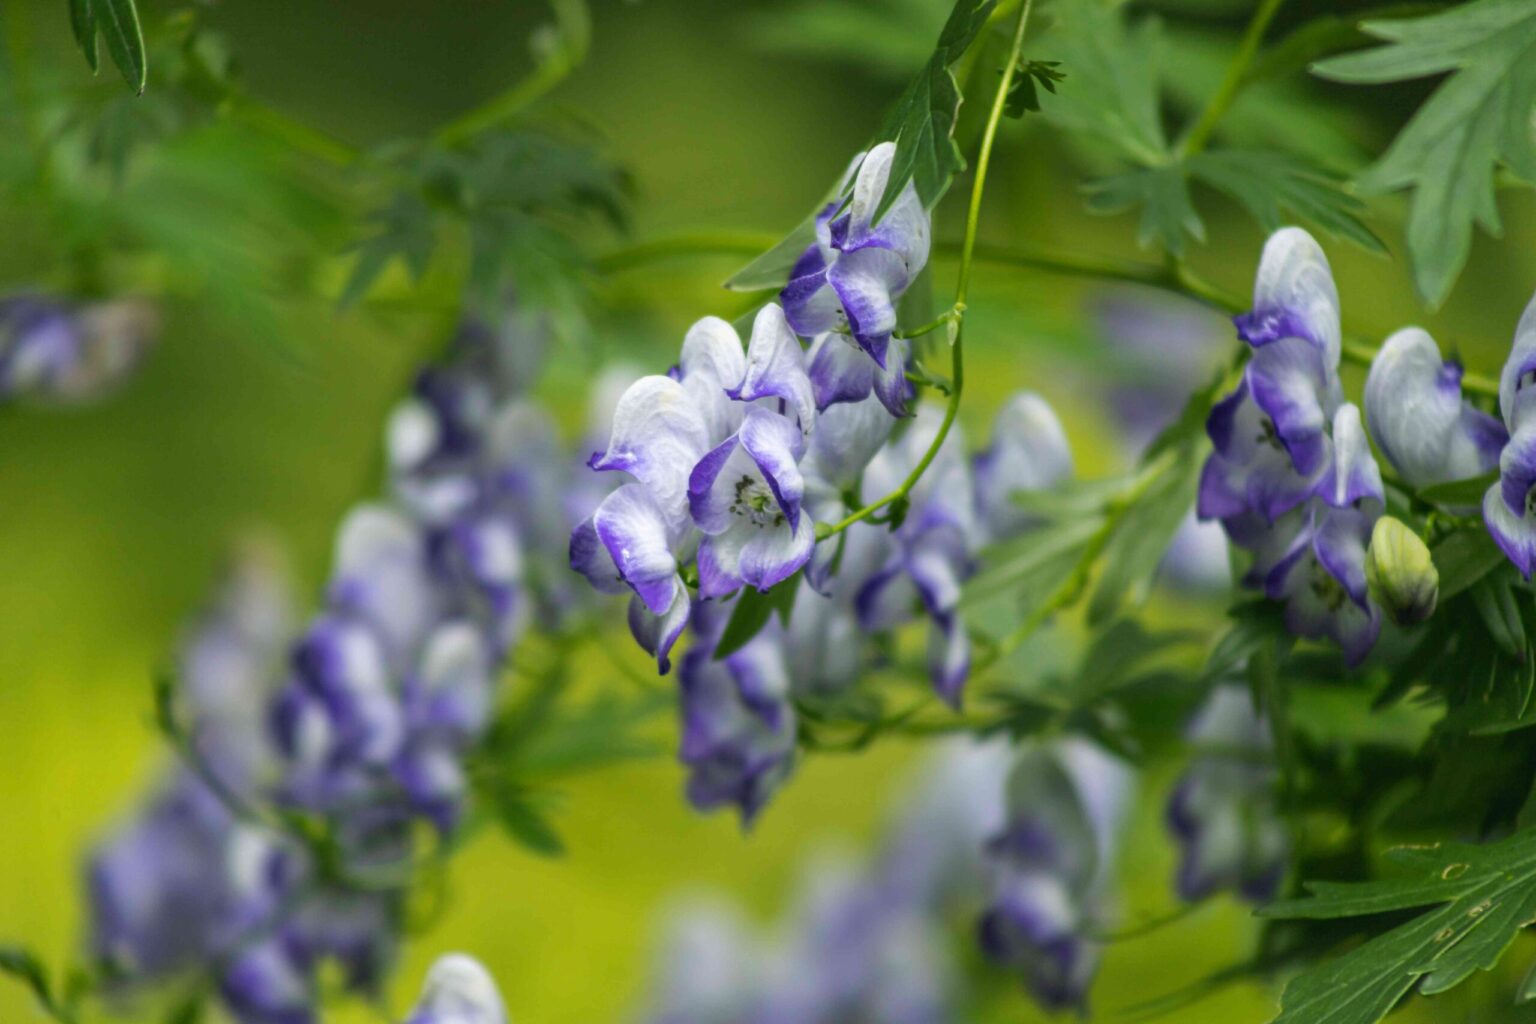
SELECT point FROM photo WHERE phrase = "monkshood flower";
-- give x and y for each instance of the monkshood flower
(159, 887)
(57, 351)
(1223, 811)
(709, 970)
(714, 450)
(1029, 452)
(1509, 508)
(1416, 414)
(738, 723)
(848, 281)
(1065, 806)
(458, 990)
(1270, 435)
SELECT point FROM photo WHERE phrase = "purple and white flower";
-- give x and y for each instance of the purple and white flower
(61, 352)
(1052, 861)
(1509, 508)
(848, 281)
(1223, 811)
(458, 990)
(1029, 452)
(1418, 418)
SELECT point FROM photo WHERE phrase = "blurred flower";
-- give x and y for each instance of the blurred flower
(458, 990)
(850, 279)
(1029, 452)
(1509, 507)
(1418, 418)
(1051, 862)
(1223, 811)
(62, 352)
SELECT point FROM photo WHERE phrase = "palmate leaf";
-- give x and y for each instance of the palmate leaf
(118, 23)
(1482, 896)
(1272, 187)
(1476, 120)
(922, 123)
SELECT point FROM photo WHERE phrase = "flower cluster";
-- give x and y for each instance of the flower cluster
(1051, 862)
(870, 942)
(61, 352)
(1223, 812)
(1292, 478)
(292, 843)
(1509, 508)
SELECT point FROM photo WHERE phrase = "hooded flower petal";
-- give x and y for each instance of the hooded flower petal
(1294, 297)
(1298, 393)
(711, 363)
(1354, 478)
(1029, 452)
(659, 434)
(634, 531)
(847, 437)
(657, 633)
(1517, 383)
(1417, 416)
(775, 368)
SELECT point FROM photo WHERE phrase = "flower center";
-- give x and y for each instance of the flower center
(1269, 435)
(756, 503)
(1327, 589)
(1530, 501)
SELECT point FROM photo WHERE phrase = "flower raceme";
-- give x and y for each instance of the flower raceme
(1291, 477)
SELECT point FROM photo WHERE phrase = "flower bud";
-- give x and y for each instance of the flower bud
(1402, 576)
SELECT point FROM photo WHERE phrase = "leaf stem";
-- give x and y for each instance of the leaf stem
(962, 287)
(1232, 82)
(294, 134)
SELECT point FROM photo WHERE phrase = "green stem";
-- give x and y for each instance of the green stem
(948, 316)
(294, 134)
(1232, 82)
(962, 287)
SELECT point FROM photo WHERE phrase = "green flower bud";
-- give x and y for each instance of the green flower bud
(1402, 576)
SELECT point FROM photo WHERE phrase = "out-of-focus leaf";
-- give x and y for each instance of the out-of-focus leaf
(1162, 195)
(82, 21)
(1477, 119)
(1270, 184)
(1051, 550)
(602, 731)
(1325, 35)
(771, 269)
(1495, 602)
(1029, 79)
(1463, 558)
(923, 121)
(1467, 492)
(1255, 623)
(528, 824)
(1482, 897)
(753, 610)
(23, 965)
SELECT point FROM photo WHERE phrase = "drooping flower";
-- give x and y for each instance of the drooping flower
(1223, 811)
(1029, 452)
(458, 990)
(62, 352)
(1052, 860)
(1509, 507)
(1416, 414)
(738, 722)
(850, 279)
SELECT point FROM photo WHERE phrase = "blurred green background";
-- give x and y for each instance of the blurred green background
(114, 518)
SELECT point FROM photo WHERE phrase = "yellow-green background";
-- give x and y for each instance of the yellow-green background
(113, 518)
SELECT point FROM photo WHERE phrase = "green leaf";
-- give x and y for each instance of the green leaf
(602, 731)
(771, 269)
(1463, 558)
(24, 966)
(1324, 35)
(1256, 623)
(527, 823)
(753, 609)
(1162, 195)
(1039, 560)
(118, 21)
(82, 20)
(1270, 184)
(1495, 602)
(922, 123)
(1482, 896)
(1476, 120)
(1030, 77)
(1469, 491)
(1141, 537)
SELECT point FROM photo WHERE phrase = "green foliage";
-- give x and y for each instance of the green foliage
(518, 195)
(59, 1003)
(922, 123)
(1030, 77)
(1482, 897)
(1477, 120)
(752, 611)
(525, 818)
(118, 23)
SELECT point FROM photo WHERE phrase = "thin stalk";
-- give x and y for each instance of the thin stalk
(962, 287)
(1232, 82)
(296, 135)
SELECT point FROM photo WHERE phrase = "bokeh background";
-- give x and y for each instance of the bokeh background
(113, 518)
